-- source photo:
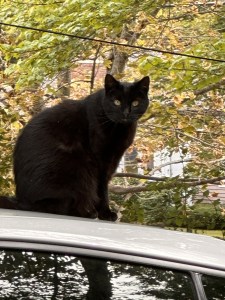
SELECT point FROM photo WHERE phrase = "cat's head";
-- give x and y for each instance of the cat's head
(125, 102)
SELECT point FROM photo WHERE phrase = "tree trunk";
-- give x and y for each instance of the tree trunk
(64, 81)
(118, 56)
(119, 62)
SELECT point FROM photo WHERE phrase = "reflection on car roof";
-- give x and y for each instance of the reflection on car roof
(121, 238)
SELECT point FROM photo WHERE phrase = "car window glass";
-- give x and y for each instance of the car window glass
(32, 275)
(214, 287)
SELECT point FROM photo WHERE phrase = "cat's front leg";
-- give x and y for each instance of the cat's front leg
(104, 211)
(107, 214)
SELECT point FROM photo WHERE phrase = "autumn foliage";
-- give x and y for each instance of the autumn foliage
(186, 114)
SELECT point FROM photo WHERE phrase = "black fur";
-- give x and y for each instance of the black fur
(66, 155)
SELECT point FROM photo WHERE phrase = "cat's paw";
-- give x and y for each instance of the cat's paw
(90, 214)
(107, 215)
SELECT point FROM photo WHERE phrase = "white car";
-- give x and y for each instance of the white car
(45, 256)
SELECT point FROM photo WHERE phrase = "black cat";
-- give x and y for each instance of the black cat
(66, 155)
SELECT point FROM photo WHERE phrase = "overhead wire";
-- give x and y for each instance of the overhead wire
(85, 38)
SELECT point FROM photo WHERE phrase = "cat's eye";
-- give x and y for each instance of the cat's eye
(117, 102)
(135, 103)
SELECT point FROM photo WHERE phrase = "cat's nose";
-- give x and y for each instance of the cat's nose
(126, 112)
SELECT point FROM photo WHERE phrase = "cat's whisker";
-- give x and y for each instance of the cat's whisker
(105, 122)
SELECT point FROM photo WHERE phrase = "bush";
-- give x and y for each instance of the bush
(167, 209)
(201, 216)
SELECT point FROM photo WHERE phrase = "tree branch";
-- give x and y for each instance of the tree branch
(149, 177)
(205, 111)
(93, 72)
(170, 163)
(144, 188)
(116, 189)
(193, 138)
(211, 87)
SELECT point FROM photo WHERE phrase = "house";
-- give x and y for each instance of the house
(216, 192)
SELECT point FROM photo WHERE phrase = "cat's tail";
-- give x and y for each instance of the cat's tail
(8, 202)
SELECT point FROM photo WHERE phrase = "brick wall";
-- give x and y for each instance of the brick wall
(81, 79)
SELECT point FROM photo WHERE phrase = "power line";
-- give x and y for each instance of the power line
(112, 43)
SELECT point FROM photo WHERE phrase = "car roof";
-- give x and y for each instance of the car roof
(137, 240)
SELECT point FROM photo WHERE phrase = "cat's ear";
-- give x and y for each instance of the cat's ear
(110, 82)
(143, 84)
